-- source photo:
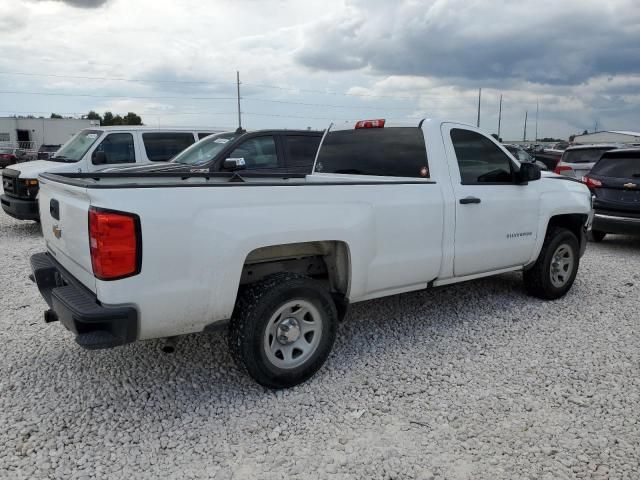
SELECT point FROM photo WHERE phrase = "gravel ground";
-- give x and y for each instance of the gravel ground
(469, 381)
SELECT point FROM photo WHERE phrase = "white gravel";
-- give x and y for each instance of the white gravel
(470, 381)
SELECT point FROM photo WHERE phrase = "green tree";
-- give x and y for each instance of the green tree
(93, 116)
(55, 115)
(107, 119)
(132, 119)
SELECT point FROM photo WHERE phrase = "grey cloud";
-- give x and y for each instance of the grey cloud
(81, 3)
(555, 43)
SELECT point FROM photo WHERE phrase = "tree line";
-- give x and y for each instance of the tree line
(109, 118)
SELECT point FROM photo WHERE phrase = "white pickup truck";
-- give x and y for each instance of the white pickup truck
(278, 259)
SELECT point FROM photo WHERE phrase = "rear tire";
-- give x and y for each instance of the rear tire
(555, 270)
(283, 329)
(597, 235)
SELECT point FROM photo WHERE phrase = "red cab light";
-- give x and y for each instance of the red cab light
(591, 182)
(370, 123)
(561, 168)
(115, 244)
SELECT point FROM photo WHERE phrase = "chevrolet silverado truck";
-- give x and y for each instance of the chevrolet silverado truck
(277, 260)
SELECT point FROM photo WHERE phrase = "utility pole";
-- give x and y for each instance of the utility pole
(499, 117)
(524, 137)
(479, 97)
(238, 91)
(595, 128)
(537, 109)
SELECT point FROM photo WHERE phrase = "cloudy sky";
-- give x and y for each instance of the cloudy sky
(305, 63)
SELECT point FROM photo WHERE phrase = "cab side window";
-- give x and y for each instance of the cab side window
(163, 146)
(258, 152)
(115, 148)
(479, 159)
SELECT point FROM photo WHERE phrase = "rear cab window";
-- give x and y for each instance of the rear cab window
(301, 151)
(162, 146)
(388, 151)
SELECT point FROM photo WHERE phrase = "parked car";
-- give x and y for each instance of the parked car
(577, 161)
(92, 150)
(522, 156)
(45, 152)
(279, 259)
(9, 156)
(615, 183)
(267, 151)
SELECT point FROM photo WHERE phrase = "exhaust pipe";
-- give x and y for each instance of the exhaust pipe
(50, 316)
(169, 345)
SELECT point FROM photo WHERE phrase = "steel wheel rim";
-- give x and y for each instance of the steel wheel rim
(562, 265)
(292, 334)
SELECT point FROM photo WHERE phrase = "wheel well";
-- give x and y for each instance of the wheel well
(324, 260)
(571, 221)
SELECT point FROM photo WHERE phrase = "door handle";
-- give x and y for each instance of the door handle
(467, 200)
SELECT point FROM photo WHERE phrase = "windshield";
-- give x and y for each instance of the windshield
(584, 155)
(204, 150)
(6, 150)
(75, 149)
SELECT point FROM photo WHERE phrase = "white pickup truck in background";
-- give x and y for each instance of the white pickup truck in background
(91, 150)
(387, 210)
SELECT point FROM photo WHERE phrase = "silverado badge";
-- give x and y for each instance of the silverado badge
(57, 232)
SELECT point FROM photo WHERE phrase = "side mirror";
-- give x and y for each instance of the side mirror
(528, 173)
(234, 164)
(99, 158)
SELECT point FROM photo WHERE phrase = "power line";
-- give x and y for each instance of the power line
(256, 99)
(205, 82)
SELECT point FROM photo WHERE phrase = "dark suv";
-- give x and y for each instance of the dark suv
(615, 183)
(262, 151)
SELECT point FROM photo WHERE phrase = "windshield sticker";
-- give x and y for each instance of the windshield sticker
(92, 135)
(221, 140)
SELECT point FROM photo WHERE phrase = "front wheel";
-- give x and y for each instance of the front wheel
(283, 329)
(555, 269)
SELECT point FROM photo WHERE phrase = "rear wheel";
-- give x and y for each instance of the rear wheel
(555, 269)
(597, 235)
(283, 329)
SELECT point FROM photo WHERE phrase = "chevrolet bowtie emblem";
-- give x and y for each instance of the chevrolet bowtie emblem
(57, 232)
(629, 185)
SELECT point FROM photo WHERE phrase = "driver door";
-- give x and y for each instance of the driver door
(496, 219)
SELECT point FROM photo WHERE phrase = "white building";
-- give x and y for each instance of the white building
(608, 137)
(30, 133)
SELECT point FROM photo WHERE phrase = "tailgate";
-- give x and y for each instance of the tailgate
(65, 226)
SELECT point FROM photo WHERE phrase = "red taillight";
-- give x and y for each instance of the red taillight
(371, 123)
(114, 240)
(561, 168)
(591, 182)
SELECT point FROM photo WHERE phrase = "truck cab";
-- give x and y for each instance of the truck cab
(91, 150)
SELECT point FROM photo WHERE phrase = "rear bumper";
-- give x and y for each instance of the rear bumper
(618, 223)
(94, 325)
(19, 208)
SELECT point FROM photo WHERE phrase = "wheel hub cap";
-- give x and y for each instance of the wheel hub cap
(288, 331)
(562, 265)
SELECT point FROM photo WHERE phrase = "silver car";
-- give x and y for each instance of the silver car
(577, 161)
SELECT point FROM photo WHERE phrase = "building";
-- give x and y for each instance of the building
(608, 137)
(30, 133)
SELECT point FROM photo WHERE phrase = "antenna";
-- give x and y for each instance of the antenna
(479, 97)
(499, 117)
(239, 129)
(537, 109)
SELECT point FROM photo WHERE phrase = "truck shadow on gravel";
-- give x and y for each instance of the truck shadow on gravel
(202, 372)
